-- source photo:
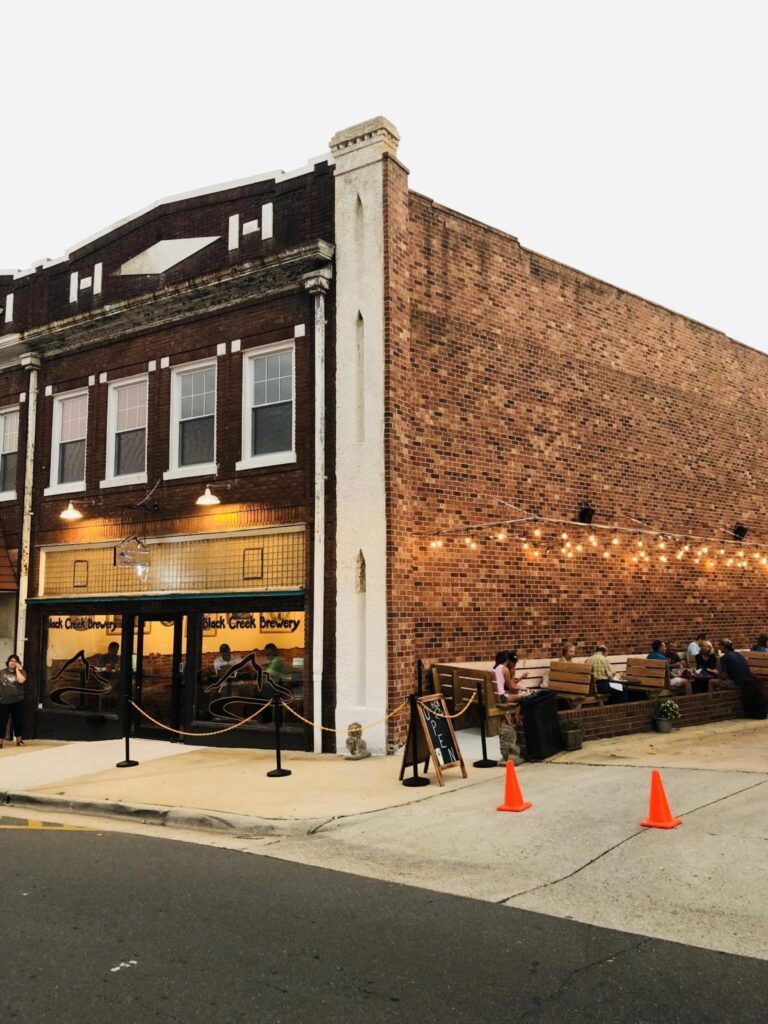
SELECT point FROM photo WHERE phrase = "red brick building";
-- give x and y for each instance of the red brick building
(401, 412)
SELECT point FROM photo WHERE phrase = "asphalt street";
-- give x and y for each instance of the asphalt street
(126, 929)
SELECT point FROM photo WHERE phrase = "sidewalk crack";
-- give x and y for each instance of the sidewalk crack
(633, 835)
(581, 867)
(554, 996)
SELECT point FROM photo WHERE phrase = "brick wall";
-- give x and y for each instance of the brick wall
(621, 719)
(526, 382)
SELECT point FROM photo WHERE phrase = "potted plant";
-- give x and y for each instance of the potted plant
(665, 712)
(572, 734)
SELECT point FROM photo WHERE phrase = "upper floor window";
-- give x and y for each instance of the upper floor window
(70, 427)
(268, 407)
(9, 444)
(127, 432)
(193, 420)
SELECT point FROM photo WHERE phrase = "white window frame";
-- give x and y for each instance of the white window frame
(175, 471)
(11, 495)
(76, 485)
(248, 459)
(110, 479)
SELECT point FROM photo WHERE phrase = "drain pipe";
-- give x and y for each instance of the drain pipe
(30, 362)
(317, 284)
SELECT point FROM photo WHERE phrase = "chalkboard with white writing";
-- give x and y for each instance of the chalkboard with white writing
(436, 739)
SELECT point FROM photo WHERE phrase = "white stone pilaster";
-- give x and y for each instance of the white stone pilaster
(361, 530)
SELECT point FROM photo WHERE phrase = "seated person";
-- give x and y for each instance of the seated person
(658, 650)
(762, 644)
(505, 682)
(223, 659)
(567, 652)
(673, 657)
(110, 662)
(693, 649)
(681, 679)
(602, 676)
(734, 667)
(706, 668)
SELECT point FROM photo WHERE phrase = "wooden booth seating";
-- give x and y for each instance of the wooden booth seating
(458, 683)
(758, 663)
(572, 682)
(648, 674)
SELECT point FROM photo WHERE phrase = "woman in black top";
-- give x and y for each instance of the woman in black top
(12, 679)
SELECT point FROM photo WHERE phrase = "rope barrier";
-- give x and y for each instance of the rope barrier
(343, 732)
(217, 732)
(458, 714)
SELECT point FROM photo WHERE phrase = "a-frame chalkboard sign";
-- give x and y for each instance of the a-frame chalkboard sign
(435, 738)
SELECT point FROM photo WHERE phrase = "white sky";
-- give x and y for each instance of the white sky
(629, 143)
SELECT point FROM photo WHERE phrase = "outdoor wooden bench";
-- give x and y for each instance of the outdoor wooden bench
(758, 664)
(648, 674)
(459, 682)
(572, 682)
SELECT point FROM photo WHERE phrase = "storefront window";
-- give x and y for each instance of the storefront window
(247, 657)
(82, 663)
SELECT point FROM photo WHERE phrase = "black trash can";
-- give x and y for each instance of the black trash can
(540, 725)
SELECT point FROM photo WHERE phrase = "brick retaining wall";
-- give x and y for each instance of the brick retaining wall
(623, 719)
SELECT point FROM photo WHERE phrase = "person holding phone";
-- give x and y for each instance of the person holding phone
(12, 680)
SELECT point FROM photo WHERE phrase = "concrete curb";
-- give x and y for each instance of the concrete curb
(170, 817)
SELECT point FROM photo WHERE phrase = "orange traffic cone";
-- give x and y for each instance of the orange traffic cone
(513, 798)
(659, 814)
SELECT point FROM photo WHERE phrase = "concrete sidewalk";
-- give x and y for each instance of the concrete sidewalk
(205, 787)
(228, 788)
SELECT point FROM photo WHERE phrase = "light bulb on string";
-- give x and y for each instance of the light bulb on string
(615, 540)
(537, 532)
(472, 546)
(606, 554)
(564, 536)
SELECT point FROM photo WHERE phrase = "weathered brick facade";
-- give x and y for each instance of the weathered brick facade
(525, 383)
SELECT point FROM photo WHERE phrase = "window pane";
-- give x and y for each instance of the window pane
(9, 432)
(272, 427)
(259, 392)
(286, 389)
(72, 462)
(273, 366)
(8, 472)
(260, 368)
(129, 452)
(74, 417)
(196, 441)
(286, 364)
(239, 673)
(132, 406)
(82, 665)
(273, 390)
(198, 394)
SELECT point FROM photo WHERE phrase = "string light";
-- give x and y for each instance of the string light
(564, 536)
(501, 536)
(615, 540)
(537, 532)
(606, 554)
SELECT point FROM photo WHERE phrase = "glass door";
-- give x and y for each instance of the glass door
(158, 673)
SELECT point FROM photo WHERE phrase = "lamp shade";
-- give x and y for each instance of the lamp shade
(206, 498)
(70, 512)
